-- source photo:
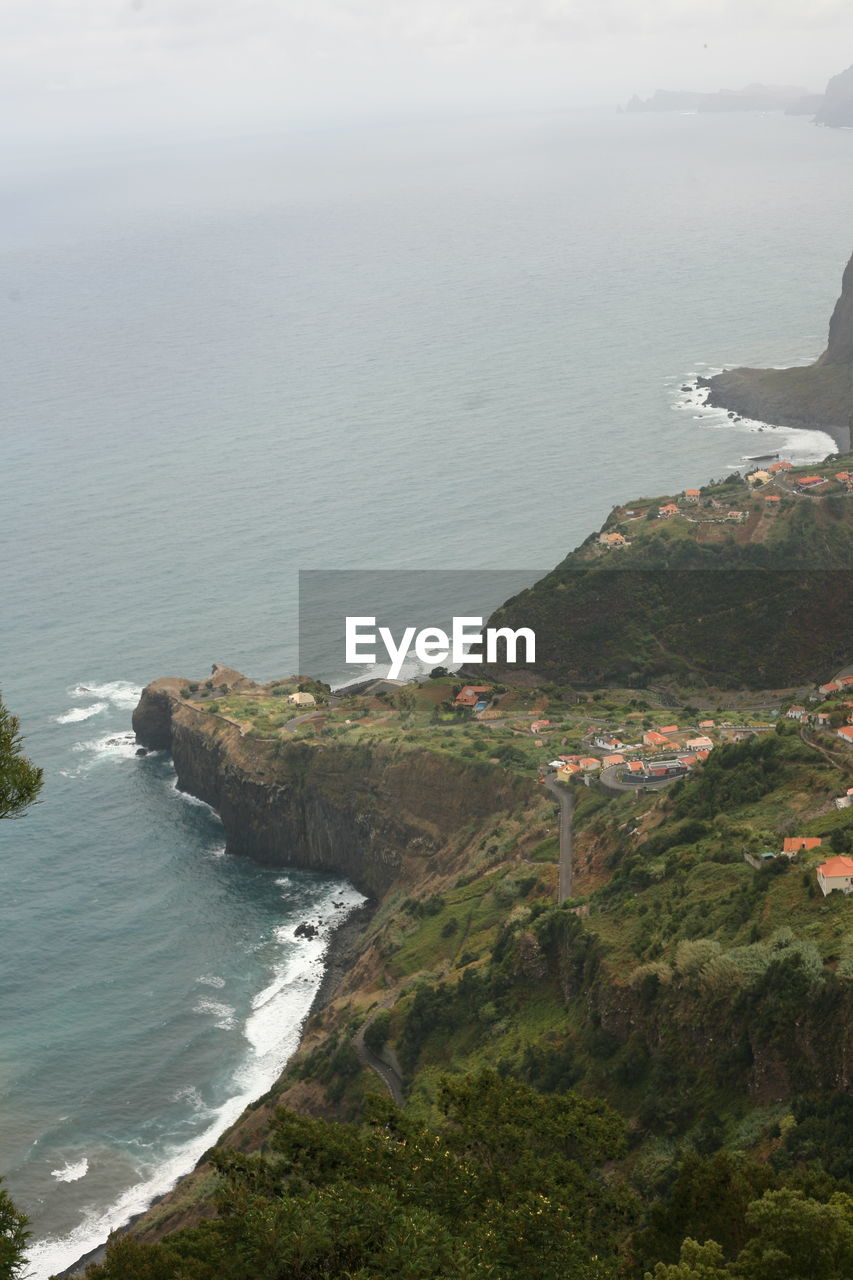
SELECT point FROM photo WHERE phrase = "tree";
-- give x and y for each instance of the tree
(20, 780)
(13, 1238)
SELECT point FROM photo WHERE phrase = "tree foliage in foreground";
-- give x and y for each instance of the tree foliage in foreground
(506, 1184)
(20, 780)
(13, 1238)
(794, 1237)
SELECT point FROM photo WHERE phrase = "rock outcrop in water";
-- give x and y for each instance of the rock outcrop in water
(818, 396)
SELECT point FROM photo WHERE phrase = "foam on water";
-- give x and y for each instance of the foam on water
(224, 1014)
(71, 1172)
(81, 713)
(796, 444)
(272, 1029)
(119, 693)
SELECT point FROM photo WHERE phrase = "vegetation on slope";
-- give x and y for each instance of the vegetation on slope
(730, 590)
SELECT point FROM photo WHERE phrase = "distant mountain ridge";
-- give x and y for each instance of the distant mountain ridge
(753, 97)
(833, 107)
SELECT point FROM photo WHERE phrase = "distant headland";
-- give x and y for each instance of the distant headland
(817, 396)
(833, 107)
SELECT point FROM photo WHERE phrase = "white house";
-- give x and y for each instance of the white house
(300, 699)
(836, 873)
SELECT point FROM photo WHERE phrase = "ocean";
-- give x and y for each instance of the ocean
(438, 345)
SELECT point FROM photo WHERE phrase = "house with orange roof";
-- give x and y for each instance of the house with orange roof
(669, 509)
(567, 771)
(794, 844)
(470, 695)
(613, 540)
(536, 726)
(589, 763)
(846, 733)
(706, 724)
(795, 712)
(610, 761)
(810, 482)
(833, 686)
(772, 500)
(782, 465)
(692, 495)
(835, 873)
(669, 728)
(651, 738)
(637, 768)
(702, 743)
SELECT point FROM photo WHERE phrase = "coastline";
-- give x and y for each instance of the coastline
(337, 961)
(734, 391)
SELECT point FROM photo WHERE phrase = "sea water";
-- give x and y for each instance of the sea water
(405, 346)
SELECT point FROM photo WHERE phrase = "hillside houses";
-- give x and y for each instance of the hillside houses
(835, 873)
(613, 540)
(846, 733)
(795, 844)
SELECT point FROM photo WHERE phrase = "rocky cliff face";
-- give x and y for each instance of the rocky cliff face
(840, 347)
(818, 396)
(836, 110)
(378, 815)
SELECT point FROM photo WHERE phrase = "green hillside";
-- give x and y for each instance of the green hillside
(742, 585)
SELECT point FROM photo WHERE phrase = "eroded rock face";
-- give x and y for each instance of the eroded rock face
(377, 815)
(840, 347)
(817, 396)
(836, 110)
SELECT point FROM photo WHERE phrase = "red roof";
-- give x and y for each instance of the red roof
(811, 480)
(833, 867)
(794, 843)
(780, 466)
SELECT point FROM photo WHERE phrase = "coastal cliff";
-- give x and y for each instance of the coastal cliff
(378, 814)
(818, 396)
(836, 109)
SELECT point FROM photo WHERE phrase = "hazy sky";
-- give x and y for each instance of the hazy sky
(106, 66)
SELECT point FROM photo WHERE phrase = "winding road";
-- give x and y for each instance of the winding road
(388, 1073)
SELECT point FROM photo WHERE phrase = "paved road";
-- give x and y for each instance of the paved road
(388, 1074)
(566, 800)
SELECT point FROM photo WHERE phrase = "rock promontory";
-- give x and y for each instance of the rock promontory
(817, 396)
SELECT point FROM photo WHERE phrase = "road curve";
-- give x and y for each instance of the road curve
(386, 1073)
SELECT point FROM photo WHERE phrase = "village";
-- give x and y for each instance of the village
(739, 500)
